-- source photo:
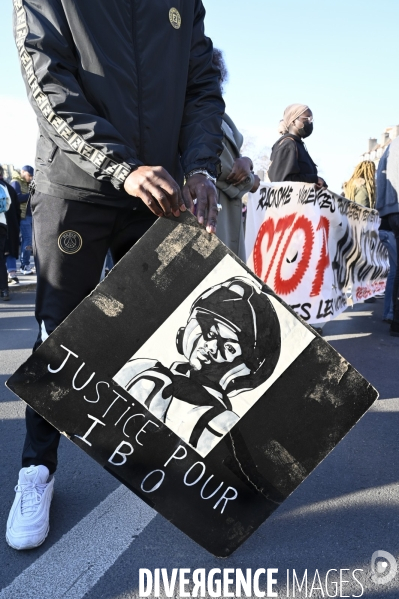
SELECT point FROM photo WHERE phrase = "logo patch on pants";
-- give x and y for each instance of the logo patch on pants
(70, 242)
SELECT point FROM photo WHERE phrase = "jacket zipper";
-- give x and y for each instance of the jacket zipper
(136, 58)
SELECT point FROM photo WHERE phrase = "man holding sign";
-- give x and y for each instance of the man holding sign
(128, 104)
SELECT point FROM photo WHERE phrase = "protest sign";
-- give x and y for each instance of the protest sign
(193, 384)
(318, 251)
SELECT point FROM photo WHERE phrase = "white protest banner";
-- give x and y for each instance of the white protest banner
(318, 251)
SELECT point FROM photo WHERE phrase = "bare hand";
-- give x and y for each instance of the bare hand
(320, 183)
(157, 189)
(200, 188)
(256, 184)
(241, 170)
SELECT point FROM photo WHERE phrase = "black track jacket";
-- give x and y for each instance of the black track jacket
(116, 84)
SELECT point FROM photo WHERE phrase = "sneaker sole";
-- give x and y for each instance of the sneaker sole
(31, 546)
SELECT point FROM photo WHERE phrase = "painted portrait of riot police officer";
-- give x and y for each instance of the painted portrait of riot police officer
(231, 343)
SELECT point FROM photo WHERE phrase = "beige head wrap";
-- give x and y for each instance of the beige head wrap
(292, 112)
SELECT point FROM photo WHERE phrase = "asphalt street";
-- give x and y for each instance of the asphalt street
(101, 534)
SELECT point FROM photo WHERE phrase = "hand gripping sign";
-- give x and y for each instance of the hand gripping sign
(315, 249)
(187, 378)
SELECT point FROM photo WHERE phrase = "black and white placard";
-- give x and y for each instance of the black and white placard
(191, 382)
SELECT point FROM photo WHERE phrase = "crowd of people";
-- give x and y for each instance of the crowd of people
(290, 161)
(15, 228)
(113, 156)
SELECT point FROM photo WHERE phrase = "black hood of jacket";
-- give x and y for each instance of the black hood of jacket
(116, 84)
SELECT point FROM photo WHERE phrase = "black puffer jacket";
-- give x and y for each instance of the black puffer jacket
(116, 84)
(290, 161)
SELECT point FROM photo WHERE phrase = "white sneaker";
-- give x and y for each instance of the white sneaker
(28, 522)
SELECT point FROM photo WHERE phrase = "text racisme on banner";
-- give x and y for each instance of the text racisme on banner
(318, 251)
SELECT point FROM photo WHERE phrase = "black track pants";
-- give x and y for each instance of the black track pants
(70, 242)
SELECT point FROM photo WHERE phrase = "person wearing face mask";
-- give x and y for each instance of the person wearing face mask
(290, 160)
